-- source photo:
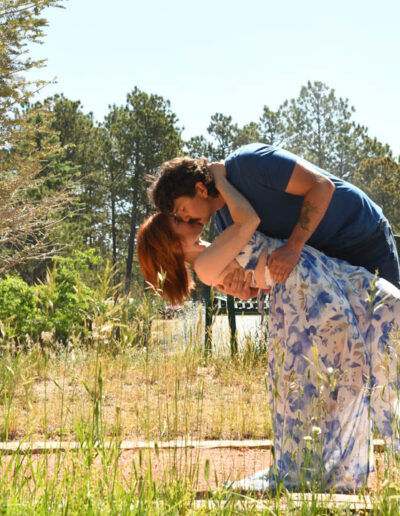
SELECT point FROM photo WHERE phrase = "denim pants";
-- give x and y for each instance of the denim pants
(377, 252)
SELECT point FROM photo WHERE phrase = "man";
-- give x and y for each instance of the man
(294, 199)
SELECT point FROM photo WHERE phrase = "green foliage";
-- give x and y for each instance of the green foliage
(249, 133)
(225, 137)
(79, 167)
(319, 127)
(380, 179)
(84, 143)
(64, 300)
(53, 145)
(141, 135)
(198, 146)
(20, 22)
(17, 306)
(60, 305)
(223, 132)
(272, 127)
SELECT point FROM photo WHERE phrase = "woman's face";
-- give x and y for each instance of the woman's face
(187, 232)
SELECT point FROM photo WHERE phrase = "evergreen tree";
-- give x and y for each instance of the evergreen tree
(84, 143)
(249, 133)
(272, 128)
(319, 127)
(20, 24)
(380, 180)
(198, 146)
(223, 133)
(144, 133)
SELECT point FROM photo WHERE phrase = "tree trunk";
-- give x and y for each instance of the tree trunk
(131, 244)
(113, 223)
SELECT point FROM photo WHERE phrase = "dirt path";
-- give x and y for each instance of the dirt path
(208, 468)
(203, 469)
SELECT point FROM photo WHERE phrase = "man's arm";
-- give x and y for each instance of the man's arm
(317, 191)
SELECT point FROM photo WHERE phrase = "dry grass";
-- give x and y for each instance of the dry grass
(101, 390)
(150, 393)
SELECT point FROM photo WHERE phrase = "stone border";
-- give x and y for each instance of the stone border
(327, 501)
(10, 447)
(321, 500)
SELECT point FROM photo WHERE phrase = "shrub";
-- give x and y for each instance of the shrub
(59, 305)
(18, 305)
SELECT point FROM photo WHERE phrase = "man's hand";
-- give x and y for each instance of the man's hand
(238, 284)
(282, 261)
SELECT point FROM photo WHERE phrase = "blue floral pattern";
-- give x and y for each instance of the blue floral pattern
(333, 371)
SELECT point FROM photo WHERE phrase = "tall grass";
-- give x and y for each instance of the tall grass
(146, 381)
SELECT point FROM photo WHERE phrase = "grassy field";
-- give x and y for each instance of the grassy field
(152, 393)
(104, 391)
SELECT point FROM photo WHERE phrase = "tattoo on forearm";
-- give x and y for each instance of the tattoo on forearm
(306, 210)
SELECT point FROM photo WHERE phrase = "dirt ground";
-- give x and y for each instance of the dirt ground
(204, 469)
(213, 466)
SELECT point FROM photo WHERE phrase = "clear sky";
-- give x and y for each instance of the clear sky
(228, 56)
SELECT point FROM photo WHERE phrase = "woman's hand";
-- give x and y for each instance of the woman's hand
(238, 283)
(217, 170)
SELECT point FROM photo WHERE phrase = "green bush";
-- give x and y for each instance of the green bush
(18, 305)
(60, 305)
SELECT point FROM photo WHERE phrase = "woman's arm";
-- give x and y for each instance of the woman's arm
(212, 262)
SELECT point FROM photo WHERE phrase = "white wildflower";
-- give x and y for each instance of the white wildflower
(316, 430)
(46, 336)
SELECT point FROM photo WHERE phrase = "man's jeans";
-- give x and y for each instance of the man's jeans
(377, 252)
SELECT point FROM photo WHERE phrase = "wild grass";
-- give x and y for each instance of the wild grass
(153, 392)
(156, 385)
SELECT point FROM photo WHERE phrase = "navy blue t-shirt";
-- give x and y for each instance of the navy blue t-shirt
(262, 172)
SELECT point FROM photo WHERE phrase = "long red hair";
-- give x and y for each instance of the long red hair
(159, 250)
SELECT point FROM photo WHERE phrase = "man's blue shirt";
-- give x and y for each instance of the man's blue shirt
(262, 172)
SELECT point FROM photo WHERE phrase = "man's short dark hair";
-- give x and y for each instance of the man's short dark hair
(177, 178)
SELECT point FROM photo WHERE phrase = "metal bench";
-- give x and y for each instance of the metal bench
(233, 307)
(225, 305)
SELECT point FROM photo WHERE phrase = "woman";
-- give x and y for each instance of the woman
(332, 333)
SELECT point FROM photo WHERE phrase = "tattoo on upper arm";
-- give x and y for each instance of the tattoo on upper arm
(306, 210)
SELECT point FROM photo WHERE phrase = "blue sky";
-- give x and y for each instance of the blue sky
(224, 56)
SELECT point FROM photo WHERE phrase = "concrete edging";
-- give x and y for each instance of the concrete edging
(54, 446)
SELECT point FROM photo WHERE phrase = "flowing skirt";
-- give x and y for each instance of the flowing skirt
(333, 341)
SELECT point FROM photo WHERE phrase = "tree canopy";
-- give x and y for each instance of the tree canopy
(54, 146)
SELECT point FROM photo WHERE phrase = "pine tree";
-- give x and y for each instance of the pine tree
(143, 134)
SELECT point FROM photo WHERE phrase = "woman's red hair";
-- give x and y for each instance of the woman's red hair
(159, 250)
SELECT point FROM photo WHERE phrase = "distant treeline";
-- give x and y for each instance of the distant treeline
(70, 183)
(110, 163)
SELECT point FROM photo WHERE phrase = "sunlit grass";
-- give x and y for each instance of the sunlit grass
(49, 393)
(105, 390)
